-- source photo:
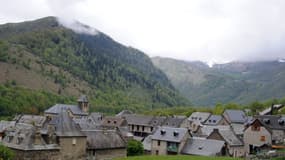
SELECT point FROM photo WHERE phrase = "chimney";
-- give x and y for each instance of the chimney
(272, 108)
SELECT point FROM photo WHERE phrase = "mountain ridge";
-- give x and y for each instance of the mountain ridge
(70, 63)
(233, 82)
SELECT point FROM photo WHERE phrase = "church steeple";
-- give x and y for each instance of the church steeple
(83, 103)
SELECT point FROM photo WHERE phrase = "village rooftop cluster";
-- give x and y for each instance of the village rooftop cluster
(71, 132)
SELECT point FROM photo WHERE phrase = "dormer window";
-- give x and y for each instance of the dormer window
(175, 133)
(162, 132)
(281, 121)
(266, 120)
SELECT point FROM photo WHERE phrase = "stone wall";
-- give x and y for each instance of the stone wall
(73, 148)
(37, 155)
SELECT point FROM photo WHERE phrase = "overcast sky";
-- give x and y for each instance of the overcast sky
(207, 30)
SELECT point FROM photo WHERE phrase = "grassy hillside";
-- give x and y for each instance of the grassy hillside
(176, 157)
(44, 55)
(237, 82)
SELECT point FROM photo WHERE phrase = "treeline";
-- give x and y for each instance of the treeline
(253, 108)
(18, 100)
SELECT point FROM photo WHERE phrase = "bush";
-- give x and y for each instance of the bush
(6, 153)
(134, 148)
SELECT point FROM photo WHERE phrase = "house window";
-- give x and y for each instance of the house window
(143, 128)
(74, 141)
(156, 152)
(262, 138)
(151, 129)
(158, 142)
(138, 128)
(133, 127)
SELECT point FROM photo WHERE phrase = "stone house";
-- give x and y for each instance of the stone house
(276, 125)
(256, 135)
(169, 141)
(63, 131)
(197, 119)
(77, 111)
(105, 144)
(28, 144)
(140, 125)
(234, 146)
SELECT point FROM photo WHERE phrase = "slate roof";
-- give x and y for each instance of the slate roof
(57, 108)
(147, 143)
(273, 121)
(235, 116)
(203, 147)
(66, 127)
(104, 139)
(199, 116)
(4, 125)
(230, 138)
(22, 137)
(96, 117)
(175, 121)
(32, 119)
(85, 123)
(157, 121)
(238, 128)
(213, 120)
(139, 119)
(207, 130)
(168, 134)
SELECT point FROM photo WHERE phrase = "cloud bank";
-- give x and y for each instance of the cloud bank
(207, 30)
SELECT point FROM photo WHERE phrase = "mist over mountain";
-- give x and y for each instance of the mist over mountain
(46, 55)
(238, 82)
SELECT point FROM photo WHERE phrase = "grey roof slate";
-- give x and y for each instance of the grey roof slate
(272, 122)
(32, 119)
(206, 130)
(104, 139)
(66, 127)
(22, 137)
(169, 134)
(199, 117)
(57, 108)
(203, 147)
(213, 120)
(267, 111)
(147, 143)
(4, 125)
(238, 128)
(157, 120)
(175, 121)
(235, 116)
(230, 138)
(139, 119)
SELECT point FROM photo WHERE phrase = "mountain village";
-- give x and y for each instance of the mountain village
(71, 132)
